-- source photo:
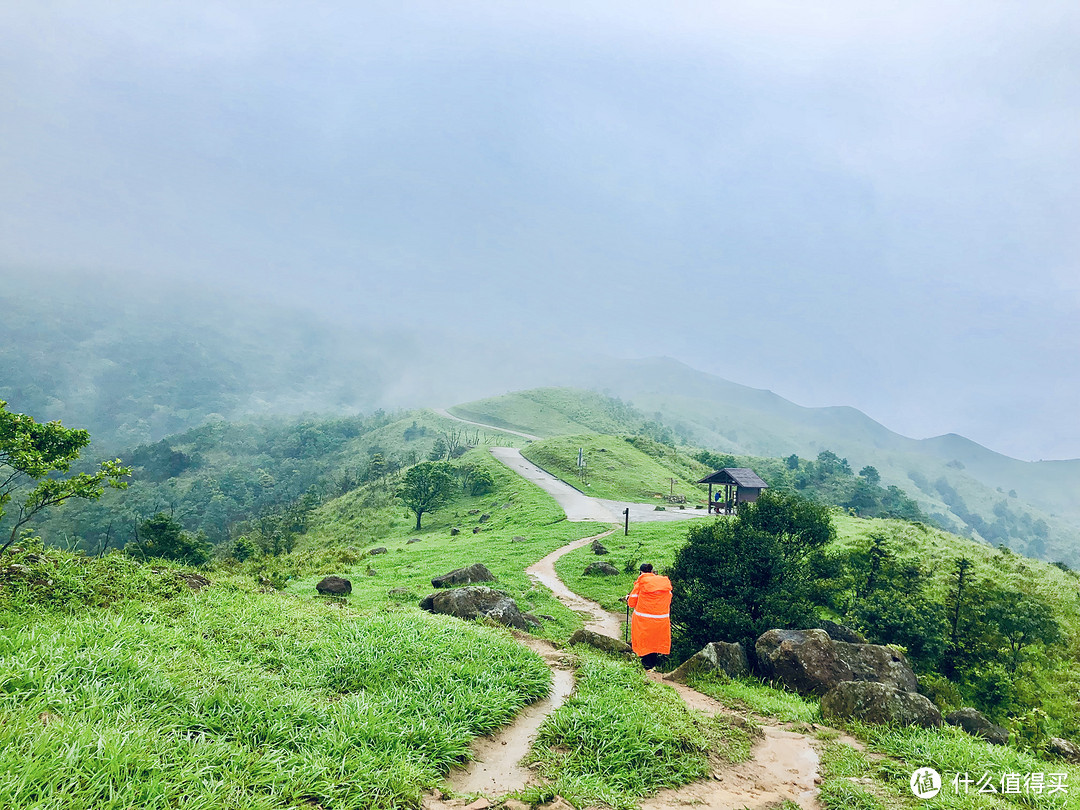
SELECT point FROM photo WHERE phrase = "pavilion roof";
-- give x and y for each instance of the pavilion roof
(740, 476)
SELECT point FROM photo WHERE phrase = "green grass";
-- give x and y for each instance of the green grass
(881, 776)
(233, 698)
(516, 509)
(654, 543)
(552, 412)
(620, 737)
(761, 698)
(618, 470)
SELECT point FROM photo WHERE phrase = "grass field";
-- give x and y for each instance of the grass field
(234, 698)
(620, 471)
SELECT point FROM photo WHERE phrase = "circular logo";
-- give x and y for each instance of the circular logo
(926, 783)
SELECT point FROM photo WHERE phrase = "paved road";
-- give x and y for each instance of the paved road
(448, 415)
(579, 506)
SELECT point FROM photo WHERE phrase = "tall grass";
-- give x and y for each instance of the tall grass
(234, 699)
(621, 736)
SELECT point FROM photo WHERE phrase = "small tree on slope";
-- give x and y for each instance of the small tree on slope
(427, 486)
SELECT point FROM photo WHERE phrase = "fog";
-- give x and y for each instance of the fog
(872, 206)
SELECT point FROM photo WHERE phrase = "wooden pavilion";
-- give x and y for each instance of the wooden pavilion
(735, 485)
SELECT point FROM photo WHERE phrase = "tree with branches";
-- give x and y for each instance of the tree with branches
(35, 458)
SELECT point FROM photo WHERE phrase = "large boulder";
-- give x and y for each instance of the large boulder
(841, 632)
(334, 586)
(720, 656)
(803, 660)
(1063, 748)
(601, 642)
(874, 662)
(476, 602)
(879, 703)
(477, 572)
(600, 569)
(598, 547)
(978, 724)
(811, 663)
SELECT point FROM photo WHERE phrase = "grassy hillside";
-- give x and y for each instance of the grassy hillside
(1054, 688)
(553, 412)
(159, 696)
(621, 468)
(125, 688)
(1029, 506)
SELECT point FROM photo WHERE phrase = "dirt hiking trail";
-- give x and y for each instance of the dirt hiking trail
(783, 764)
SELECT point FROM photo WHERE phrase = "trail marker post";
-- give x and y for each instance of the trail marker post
(626, 512)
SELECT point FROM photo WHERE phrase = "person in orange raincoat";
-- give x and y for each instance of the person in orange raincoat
(650, 625)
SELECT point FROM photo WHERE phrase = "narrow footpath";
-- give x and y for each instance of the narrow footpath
(783, 764)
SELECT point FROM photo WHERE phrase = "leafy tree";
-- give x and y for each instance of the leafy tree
(872, 476)
(1022, 619)
(35, 453)
(162, 536)
(426, 487)
(439, 451)
(792, 462)
(476, 480)
(736, 578)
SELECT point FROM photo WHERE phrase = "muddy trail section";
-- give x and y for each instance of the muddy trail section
(783, 765)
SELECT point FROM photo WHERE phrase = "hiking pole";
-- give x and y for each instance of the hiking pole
(626, 626)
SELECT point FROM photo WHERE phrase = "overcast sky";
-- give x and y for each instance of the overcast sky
(851, 203)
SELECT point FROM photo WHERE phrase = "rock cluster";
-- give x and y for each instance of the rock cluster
(601, 642)
(720, 656)
(600, 569)
(477, 572)
(476, 602)
(334, 586)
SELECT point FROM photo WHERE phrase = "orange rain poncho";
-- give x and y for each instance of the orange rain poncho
(650, 626)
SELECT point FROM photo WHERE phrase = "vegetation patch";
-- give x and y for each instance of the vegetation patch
(621, 736)
(231, 698)
(621, 468)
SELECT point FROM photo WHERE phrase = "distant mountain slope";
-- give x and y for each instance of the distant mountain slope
(1028, 506)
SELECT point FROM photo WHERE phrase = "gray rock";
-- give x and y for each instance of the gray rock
(476, 530)
(841, 632)
(978, 724)
(598, 547)
(720, 656)
(1063, 748)
(485, 518)
(804, 660)
(517, 538)
(194, 581)
(879, 703)
(602, 642)
(455, 531)
(474, 511)
(811, 663)
(334, 586)
(477, 572)
(545, 617)
(476, 602)
(600, 569)
(401, 593)
(412, 540)
(874, 662)
(379, 550)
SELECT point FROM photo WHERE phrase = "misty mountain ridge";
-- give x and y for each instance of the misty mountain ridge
(136, 365)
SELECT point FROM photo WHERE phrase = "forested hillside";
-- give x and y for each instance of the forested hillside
(735, 422)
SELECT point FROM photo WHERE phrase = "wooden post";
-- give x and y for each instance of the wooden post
(626, 530)
(710, 498)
